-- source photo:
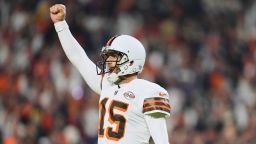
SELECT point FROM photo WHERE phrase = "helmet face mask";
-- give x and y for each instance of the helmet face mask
(108, 65)
(122, 56)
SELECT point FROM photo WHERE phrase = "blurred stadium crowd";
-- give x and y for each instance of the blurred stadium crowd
(202, 51)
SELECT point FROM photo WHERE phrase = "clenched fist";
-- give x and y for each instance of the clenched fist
(58, 12)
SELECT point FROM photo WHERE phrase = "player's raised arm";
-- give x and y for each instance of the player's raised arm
(73, 50)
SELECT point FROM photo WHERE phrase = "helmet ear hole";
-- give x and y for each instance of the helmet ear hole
(131, 63)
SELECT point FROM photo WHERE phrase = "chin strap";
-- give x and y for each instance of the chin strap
(112, 78)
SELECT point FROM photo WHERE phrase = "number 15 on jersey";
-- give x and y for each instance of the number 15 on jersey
(119, 120)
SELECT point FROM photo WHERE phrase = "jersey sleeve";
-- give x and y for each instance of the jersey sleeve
(78, 57)
(158, 129)
(157, 103)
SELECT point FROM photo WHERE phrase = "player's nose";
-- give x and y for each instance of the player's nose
(111, 61)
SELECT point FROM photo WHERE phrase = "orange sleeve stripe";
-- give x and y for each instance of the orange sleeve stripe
(156, 104)
(156, 107)
(154, 101)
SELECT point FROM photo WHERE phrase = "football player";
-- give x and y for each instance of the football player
(131, 110)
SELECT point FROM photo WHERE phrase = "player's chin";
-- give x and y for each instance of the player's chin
(111, 70)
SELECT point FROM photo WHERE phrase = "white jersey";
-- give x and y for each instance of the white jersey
(129, 114)
(122, 111)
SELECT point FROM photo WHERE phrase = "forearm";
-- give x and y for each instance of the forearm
(71, 47)
(77, 56)
(158, 129)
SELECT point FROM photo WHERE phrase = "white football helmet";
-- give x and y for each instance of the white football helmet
(131, 57)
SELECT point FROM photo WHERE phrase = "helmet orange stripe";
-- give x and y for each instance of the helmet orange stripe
(110, 41)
